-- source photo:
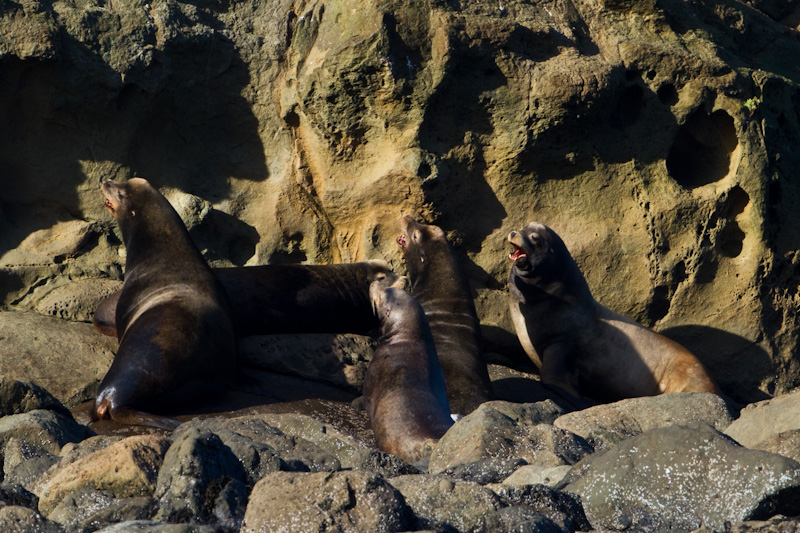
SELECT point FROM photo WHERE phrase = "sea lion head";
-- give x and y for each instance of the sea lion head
(533, 244)
(125, 199)
(382, 271)
(418, 243)
(382, 295)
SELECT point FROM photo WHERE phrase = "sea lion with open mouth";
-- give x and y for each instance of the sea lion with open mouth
(581, 347)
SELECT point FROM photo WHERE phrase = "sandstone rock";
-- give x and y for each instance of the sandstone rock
(537, 475)
(77, 300)
(763, 420)
(48, 429)
(489, 432)
(605, 425)
(340, 360)
(201, 480)
(786, 444)
(128, 468)
(352, 501)
(681, 477)
(21, 519)
(438, 501)
(34, 346)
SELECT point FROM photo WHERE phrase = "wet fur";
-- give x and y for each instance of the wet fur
(404, 389)
(439, 285)
(581, 347)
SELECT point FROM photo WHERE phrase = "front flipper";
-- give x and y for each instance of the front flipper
(124, 415)
(560, 375)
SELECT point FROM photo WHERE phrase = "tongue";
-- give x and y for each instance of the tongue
(516, 254)
(401, 240)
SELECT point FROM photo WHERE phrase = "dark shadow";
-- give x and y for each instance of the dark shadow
(735, 363)
(177, 118)
(223, 237)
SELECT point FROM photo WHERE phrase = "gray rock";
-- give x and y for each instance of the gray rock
(201, 481)
(15, 519)
(339, 360)
(762, 420)
(48, 429)
(681, 477)
(562, 508)
(351, 501)
(439, 501)
(608, 424)
(268, 444)
(537, 475)
(519, 520)
(34, 345)
(16, 494)
(501, 429)
(149, 526)
(491, 470)
(88, 509)
(18, 397)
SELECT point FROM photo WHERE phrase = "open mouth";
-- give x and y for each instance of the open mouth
(401, 240)
(517, 255)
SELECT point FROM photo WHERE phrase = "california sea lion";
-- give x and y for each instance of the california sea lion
(440, 286)
(177, 339)
(291, 298)
(404, 387)
(580, 346)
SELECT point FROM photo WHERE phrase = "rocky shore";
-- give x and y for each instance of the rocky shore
(284, 450)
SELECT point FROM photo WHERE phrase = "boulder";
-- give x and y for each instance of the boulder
(537, 475)
(501, 429)
(440, 502)
(16, 518)
(48, 429)
(682, 477)
(560, 507)
(352, 501)
(786, 443)
(607, 424)
(128, 468)
(763, 420)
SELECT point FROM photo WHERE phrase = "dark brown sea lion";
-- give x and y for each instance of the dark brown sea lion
(440, 286)
(292, 298)
(404, 387)
(177, 340)
(581, 347)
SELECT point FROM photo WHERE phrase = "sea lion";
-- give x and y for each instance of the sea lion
(404, 387)
(440, 286)
(581, 347)
(176, 337)
(291, 298)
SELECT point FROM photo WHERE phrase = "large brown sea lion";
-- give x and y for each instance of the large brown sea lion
(291, 298)
(176, 337)
(440, 286)
(404, 387)
(581, 347)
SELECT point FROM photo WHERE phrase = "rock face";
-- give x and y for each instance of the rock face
(656, 138)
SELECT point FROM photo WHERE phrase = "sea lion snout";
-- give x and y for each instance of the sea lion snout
(515, 240)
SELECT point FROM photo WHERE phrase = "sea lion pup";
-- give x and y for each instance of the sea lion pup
(440, 286)
(177, 339)
(581, 347)
(291, 298)
(404, 387)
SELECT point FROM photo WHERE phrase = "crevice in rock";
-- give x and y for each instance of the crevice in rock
(701, 152)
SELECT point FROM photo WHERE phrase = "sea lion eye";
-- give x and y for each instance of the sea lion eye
(416, 235)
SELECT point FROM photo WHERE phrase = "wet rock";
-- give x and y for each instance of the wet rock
(537, 475)
(489, 432)
(33, 345)
(340, 360)
(18, 397)
(15, 518)
(681, 477)
(150, 526)
(519, 519)
(562, 508)
(352, 501)
(88, 509)
(16, 494)
(268, 448)
(48, 429)
(24, 462)
(128, 468)
(351, 452)
(490, 470)
(439, 501)
(762, 420)
(201, 480)
(608, 424)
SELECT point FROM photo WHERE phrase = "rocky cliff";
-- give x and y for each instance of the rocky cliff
(657, 137)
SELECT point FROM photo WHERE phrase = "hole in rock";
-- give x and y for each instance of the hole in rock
(659, 304)
(701, 152)
(731, 238)
(667, 94)
(630, 105)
